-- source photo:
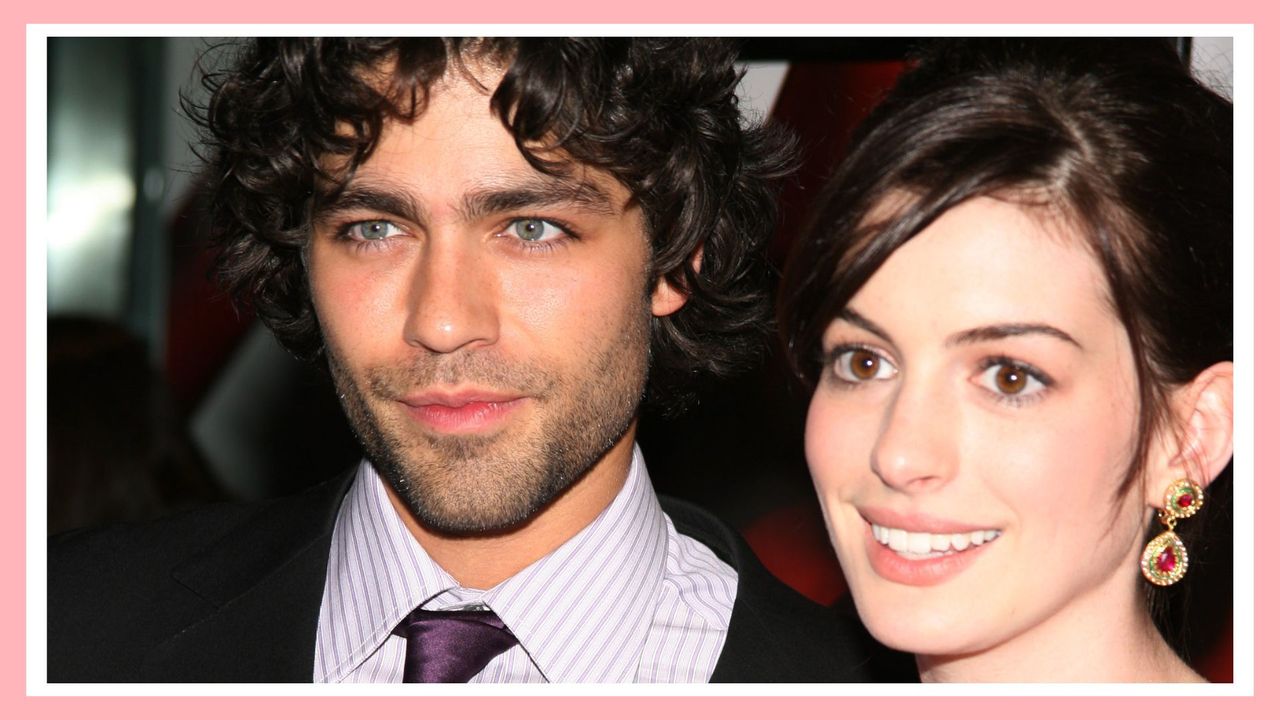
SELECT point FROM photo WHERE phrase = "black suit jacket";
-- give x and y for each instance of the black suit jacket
(231, 593)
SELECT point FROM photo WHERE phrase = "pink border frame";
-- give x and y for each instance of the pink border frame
(13, 365)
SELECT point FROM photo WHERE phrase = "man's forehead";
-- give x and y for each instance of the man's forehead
(595, 191)
(407, 95)
(477, 69)
(479, 63)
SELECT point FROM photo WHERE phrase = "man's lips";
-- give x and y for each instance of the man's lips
(457, 398)
(463, 411)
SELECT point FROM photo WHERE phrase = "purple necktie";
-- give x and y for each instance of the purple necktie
(451, 646)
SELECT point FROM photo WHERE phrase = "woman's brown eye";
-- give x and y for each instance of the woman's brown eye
(1010, 379)
(1013, 382)
(864, 364)
(858, 365)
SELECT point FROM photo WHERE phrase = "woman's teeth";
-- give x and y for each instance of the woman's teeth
(917, 545)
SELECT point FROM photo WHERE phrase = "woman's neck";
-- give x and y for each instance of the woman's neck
(1106, 635)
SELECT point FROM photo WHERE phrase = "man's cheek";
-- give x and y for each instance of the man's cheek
(546, 304)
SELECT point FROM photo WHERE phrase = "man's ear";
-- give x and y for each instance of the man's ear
(667, 298)
(1200, 440)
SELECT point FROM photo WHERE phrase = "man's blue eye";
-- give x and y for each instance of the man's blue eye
(374, 229)
(534, 230)
(369, 231)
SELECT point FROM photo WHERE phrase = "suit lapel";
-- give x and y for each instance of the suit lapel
(263, 583)
(775, 634)
(748, 639)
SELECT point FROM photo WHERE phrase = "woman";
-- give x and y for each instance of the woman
(1014, 306)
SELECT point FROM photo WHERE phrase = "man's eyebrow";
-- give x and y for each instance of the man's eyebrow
(531, 192)
(380, 200)
(999, 332)
(506, 196)
(853, 318)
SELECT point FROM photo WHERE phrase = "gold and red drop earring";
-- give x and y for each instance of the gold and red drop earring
(1164, 561)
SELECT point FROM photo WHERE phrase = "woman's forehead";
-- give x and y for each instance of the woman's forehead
(986, 259)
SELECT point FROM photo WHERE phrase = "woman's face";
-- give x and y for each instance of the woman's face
(974, 420)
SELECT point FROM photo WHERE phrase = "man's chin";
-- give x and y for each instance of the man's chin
(456, 512)
(474, 485)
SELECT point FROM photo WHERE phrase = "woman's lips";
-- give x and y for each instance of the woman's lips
(926, 544)
(453, 413)
(922, 558)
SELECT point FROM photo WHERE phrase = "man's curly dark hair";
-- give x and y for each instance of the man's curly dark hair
(658, 114)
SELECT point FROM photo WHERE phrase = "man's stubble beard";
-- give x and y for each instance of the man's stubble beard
(478, 485)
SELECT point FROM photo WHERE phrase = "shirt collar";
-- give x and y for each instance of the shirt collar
(582, 612)
(377, 574)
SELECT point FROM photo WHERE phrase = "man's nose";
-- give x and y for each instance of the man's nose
(452, 297)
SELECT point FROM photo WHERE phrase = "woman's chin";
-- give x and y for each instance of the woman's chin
(922, 621)
(933, 639)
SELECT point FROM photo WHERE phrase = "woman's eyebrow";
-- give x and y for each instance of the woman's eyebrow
(987, 333)
(852, 317)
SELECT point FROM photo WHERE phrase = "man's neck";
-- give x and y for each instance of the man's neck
(484, 561)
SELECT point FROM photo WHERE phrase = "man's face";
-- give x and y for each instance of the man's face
(487, 325)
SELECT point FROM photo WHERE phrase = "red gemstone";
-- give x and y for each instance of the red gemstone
(1185, 500)
(1167, 560)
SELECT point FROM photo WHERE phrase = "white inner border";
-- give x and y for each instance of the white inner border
(37, 363)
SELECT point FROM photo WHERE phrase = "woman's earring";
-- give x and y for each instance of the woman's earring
(1164, 562)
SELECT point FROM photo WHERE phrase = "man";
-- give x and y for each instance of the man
(489, 242)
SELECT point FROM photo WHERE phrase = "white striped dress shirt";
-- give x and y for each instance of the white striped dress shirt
(627, 599)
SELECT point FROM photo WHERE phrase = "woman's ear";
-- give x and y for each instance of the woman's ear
(1200, 439)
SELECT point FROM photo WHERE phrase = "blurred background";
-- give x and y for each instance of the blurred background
(163, 393)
